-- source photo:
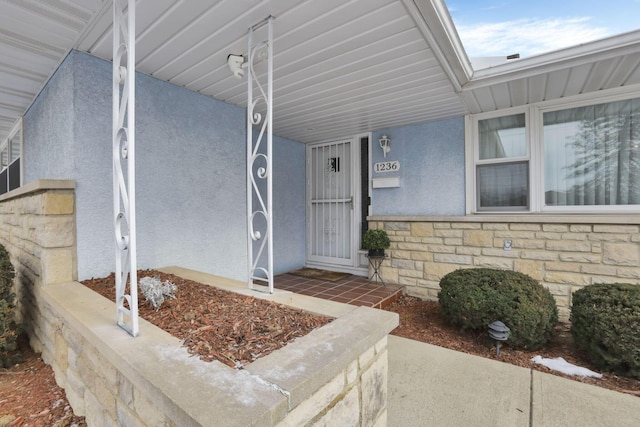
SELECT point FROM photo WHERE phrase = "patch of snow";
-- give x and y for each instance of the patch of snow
(281, 374)
(326, 347)
(240, 384)
(286, 393)
(561, 365)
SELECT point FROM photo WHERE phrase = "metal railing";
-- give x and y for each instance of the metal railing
(124, 194)
(259, 159)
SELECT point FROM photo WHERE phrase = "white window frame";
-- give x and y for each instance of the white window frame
(535, 149)
(472, 156)
(17, 129)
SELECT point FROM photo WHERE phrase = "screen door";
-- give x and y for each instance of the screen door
(330, 203)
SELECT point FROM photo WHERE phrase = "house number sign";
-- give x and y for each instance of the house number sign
(384, 167)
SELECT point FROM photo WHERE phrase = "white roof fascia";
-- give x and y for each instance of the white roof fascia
(591, 52)
(107, 8)
(434, 22)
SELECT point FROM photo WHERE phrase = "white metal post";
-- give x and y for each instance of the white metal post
(123, 145)
(259, 163)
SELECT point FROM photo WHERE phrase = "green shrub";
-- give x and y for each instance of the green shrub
(605, 323)
(476, 297)
(8, 330)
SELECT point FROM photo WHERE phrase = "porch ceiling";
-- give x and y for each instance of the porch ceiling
(341, 67)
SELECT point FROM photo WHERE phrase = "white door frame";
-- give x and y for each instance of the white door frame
(354, 265)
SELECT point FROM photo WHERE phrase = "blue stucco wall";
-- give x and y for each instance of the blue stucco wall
(432, 181)
(50, 122)
(288, 204)
(190, 168)
(289, 184)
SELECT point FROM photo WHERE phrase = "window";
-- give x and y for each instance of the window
(10, 153)
(591, 155)
(502, 170)
(556, 157)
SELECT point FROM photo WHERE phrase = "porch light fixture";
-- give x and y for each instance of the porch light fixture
(236, 64)
(385, 144)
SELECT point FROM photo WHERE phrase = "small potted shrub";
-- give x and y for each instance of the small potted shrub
(376, 241)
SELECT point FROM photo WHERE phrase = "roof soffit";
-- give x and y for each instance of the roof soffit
(588, 53)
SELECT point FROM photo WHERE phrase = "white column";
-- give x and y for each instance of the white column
(124, 194)
(259, 159)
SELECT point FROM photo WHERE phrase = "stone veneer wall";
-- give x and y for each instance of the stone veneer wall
(336, 375)
(37, 227)
(564, 253)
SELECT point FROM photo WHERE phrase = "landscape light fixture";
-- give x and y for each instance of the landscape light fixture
(498, 332)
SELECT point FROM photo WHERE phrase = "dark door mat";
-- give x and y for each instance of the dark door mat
(314, 273)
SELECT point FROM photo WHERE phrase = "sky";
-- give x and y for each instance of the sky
(505, 27)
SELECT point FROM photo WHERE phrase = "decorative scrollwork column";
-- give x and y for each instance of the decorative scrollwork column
(259, 159)
(124, 195)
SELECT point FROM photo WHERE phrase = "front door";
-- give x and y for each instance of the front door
(330, 203)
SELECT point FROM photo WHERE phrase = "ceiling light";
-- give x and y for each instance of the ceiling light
(236, 64)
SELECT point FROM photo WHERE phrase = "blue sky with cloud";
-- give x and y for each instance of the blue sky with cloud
(500, 28)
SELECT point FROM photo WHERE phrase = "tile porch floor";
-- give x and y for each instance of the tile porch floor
(354, 290)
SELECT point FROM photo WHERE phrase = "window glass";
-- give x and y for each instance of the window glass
(503, 185)
(10, 160)
(503, 137)
(14, 147)
(4, 157)
(592, 155)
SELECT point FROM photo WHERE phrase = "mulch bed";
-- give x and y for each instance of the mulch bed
(423, 321)
(29, 395)
(215, 324)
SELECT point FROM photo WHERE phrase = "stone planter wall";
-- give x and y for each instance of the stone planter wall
(336, 375)
(564, 253)
(37, 227)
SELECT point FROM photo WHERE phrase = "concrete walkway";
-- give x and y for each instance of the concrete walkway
(434, 386)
